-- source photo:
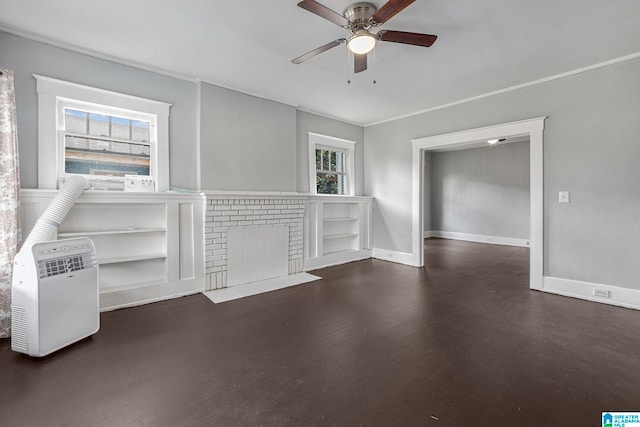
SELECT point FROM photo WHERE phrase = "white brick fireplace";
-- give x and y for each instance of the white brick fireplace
(260, 215)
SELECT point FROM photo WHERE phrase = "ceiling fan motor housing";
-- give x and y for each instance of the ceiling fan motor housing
(360, 15)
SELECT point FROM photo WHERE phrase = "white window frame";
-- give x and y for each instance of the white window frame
(55, 95)
(318, 141)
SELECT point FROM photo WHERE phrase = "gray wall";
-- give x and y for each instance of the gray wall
(27, 57)
(247, 143)
(307, 122)
(592, 149)
(481, 190)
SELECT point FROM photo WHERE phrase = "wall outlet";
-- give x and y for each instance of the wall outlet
(601, 293)
(563, 197)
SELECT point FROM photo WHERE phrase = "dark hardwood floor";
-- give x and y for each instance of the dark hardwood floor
(462, 342)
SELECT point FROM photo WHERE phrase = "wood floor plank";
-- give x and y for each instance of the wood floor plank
(462, 342)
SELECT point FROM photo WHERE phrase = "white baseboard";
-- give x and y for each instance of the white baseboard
(148, 294)
(336, 259)
(623, 297)
(394, 256)
(480, 238)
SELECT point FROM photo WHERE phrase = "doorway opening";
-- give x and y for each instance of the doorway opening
(533, 129)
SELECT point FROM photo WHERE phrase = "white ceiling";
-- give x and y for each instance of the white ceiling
(247, 45)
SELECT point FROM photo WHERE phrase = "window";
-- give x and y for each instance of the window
(106, 145)
(100, 134)
(331, 175)
(331, 165)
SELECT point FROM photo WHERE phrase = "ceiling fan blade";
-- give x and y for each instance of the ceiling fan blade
(416, 39)
(318, 51)
(324, 12)
(389, 10)
(359, 62)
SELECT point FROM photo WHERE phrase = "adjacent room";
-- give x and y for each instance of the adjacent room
(319, 213)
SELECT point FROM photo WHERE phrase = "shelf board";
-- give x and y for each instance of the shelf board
(133, 285)
(110, 232)
(349, 218)
(141, 257)
(343, 251)
(341, 236)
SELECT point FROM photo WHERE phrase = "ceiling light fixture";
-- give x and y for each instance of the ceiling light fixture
(361, 42)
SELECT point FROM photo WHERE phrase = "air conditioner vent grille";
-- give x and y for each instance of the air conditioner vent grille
(18, 328)
(65, 264)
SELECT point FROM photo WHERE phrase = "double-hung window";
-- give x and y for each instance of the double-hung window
(331, 165)
(331, 171)
(101, 144)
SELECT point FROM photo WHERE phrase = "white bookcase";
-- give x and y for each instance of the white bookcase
(149, 245)
(338, 230)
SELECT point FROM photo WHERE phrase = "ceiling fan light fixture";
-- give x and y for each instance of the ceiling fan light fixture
(361, 42)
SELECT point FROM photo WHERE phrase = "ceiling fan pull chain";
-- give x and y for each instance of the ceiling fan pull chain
(374, 65)
(348, 66)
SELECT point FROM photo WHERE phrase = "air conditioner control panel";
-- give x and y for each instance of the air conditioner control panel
(55, 248)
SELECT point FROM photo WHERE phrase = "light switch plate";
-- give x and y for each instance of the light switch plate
(563, 197)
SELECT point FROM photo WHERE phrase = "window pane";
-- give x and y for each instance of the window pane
(120, 128)
(325, 160)
(333, 161)
(77, 143)
(342, 184)
(75, 121)
(98, 124)
(120, 147)
(327, 183)
(318, 159)
(340, 162)
(99, 145)
(140, 150)
(139, 131)
(105, 157)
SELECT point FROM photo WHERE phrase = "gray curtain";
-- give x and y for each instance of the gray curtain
(9, 196)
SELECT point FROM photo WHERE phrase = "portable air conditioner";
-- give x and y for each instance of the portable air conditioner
(55, 299)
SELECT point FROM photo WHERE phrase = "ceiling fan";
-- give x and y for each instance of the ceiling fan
(360, 18)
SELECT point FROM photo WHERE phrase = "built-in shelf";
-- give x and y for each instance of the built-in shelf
(111, 232)
(136, 285)
(339, 230)
(344, 251)
(149, 245)
(340, 236)
(350, 218)
(141, 257)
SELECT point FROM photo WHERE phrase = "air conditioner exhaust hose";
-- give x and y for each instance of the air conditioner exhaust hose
(47, 225)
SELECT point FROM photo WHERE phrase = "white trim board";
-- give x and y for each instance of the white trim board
(534, 129)
(479, 238)
(335, 259)
(393, 256)
(139, 296)
(622, 297)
